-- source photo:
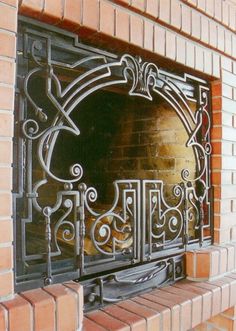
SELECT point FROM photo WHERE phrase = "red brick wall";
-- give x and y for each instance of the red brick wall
(8, 28)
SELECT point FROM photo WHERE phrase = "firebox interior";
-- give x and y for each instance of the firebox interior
(120, 138)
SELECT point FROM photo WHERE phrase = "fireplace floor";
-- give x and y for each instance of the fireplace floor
(181, 306)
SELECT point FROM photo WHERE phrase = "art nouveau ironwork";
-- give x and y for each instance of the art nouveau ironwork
(56, 217)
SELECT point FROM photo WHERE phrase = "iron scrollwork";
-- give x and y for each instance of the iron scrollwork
(139, 224)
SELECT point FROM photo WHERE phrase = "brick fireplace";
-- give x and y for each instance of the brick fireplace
(194, 37)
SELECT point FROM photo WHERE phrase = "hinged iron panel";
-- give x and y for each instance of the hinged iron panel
(135, 242)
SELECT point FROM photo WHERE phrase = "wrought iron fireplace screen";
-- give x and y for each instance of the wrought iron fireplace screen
(61, 233)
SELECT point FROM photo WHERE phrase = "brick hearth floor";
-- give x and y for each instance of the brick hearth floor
(181, 306)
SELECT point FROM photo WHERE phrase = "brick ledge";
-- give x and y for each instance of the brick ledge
(181, 306)
(56, 307)
(211, 262)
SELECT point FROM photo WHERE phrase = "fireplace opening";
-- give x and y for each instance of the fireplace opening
(123, 139)
(111, 170)
(120, 139)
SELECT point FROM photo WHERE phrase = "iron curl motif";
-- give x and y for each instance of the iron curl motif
(164, 223)
(114, 231)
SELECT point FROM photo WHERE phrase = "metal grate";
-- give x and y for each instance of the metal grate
(140, 238)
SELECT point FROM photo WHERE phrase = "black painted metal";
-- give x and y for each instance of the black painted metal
(50, 235)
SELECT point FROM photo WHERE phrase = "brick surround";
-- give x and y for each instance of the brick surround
(196, 36)
(8, 28)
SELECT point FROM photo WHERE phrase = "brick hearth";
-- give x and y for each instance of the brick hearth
(182, 306)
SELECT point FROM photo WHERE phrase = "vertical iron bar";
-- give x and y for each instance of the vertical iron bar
(48, 236)
(77, 235)
(185, 217)
(100, 283)
(201, 224)
(81, 211)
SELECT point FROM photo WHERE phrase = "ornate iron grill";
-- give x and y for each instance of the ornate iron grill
(140, 238)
